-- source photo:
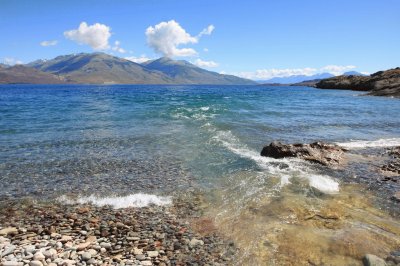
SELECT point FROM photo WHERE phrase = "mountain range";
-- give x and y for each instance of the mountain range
(294, 79)
(101, 68)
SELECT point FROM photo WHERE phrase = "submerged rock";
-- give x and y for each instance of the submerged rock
(319, 152)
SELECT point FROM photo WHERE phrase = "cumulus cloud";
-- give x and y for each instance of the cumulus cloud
(117, 47)
(308, 71)
(202, 63)
(49, 43)
(11, 61)
(96, 35)
(139, 60)
(166, 37)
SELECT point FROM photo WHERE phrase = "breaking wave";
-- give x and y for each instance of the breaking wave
(138, 200)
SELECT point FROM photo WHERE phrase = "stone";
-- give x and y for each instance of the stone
(372, 260)
(35, 263)
(65, 238)
(146, 263)
(83, 246)
(12, 263)
(39, 256)
(195, 242)
(105, 245)
(86, 256)
(50, 253)
(8, 231)
(152, 254)
(8, 250)
(137, 251)
(68, 263)
(140, 257)
(318, 152)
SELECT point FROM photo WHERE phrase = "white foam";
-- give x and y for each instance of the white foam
(292, 167)
(135, 200)
(205, 108)
(362, 144)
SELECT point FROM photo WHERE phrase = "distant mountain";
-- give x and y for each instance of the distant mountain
(297, 78)
(100, 68)
(353, 73)
(183, 72)
(21, 74)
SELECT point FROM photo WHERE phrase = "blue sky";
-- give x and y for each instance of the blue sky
(256, 39)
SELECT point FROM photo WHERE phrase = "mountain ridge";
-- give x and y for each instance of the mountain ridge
(101, 68)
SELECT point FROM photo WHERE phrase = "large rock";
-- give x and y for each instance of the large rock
(319, 152)
(382, 83)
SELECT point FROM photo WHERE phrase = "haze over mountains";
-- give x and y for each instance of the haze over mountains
(101, 68)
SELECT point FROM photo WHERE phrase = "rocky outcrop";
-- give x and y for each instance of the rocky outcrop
(318, 152)
(382, 83)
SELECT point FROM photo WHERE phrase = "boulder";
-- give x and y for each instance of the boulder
(318, 152)
(372, 260)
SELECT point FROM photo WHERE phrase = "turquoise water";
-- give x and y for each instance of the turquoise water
(121, 139)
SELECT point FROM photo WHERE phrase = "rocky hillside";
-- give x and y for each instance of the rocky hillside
(382, 83)
(21, 74)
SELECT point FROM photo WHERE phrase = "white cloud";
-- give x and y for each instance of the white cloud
(272, 73)
(308, 71)
(205, 50)
(96, 35)
(138, 60)
(166, 37)
(49, 43)
(206, 31)
(202, 63)
(336, 70)
(118, 48)
(11, 61)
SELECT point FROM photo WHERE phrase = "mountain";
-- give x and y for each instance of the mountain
(297, 78)
(100, 68)
(183, 72)
(21, 74)
(353, 73)
(382, 83)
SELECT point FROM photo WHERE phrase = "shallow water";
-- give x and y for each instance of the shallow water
(99, 142)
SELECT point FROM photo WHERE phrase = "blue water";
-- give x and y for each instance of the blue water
(66, 139)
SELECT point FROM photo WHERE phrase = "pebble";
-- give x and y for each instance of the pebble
(12, 263)
(8, 231)
(39, 256)
(86, 256)
(35, 263)
(372, 260)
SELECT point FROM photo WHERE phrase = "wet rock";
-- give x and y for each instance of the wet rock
(372, 260)
(318, 152)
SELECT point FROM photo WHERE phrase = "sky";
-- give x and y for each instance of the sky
(252, 39)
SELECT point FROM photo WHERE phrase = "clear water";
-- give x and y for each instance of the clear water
(122, 139)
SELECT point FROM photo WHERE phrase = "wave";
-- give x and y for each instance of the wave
(284, 168)
(362, 144)
(138, 200)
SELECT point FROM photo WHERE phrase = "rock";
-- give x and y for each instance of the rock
(195, 242)
(137, 251)
(9, 250)
(319, 152)
(35, 263)
(68, 262)
(39, 256)
(146, 263)
(12, 263)
(372, 260)
(8, 231)
(152, 254)
(382, 83)
(86, 256)
(65, 239)
(105, 245)
(50, 253)
(83, 246)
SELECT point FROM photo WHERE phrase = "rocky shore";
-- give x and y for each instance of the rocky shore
(382, 83)
(37, 234)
